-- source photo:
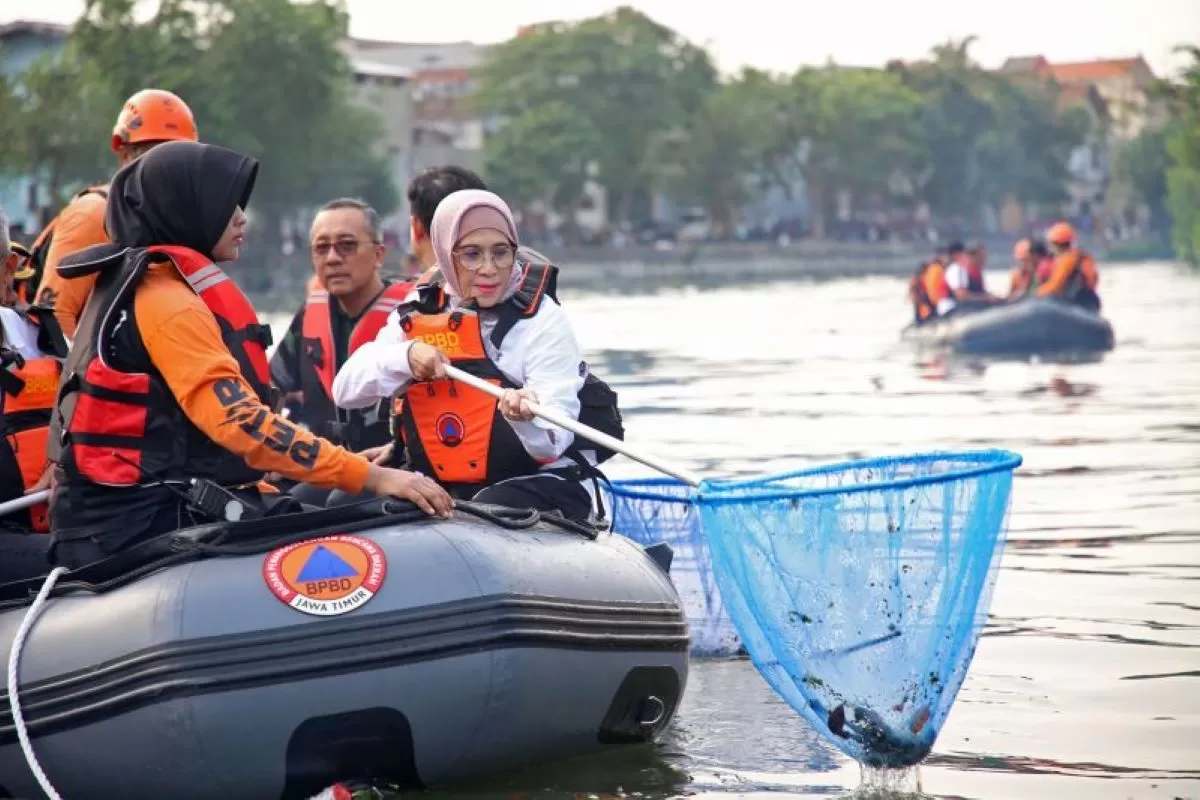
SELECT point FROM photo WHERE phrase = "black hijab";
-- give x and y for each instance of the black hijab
(178, 193)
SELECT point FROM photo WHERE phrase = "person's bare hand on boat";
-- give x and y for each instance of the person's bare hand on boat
(412, 486)
(426, 362)
(379, 455)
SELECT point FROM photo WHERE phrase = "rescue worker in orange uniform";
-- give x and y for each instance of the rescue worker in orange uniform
(496, 316)
(1074, 276)
(348, 303)
(148, 118)
(927, 282)
(165, 401)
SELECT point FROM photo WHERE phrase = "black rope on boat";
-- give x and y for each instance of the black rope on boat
(524, 518)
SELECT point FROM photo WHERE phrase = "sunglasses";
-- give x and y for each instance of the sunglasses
(472, 258)
(345, 247)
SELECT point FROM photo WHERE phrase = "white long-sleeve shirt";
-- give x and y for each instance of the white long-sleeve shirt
(539, 353)
(19, 334)
(957, 278)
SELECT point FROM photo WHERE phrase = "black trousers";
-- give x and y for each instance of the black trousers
(23, 555)
(543, 491)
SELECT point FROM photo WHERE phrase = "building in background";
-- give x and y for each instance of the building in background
(446, 129)
(1118, 95)
(1089, 165)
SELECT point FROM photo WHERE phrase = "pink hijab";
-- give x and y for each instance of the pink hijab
(461, 213)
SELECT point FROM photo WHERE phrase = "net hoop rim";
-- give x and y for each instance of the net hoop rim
(982, 462)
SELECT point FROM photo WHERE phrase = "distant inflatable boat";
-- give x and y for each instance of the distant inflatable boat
(1027, 328)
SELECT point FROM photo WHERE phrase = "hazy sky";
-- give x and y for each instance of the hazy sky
(781, 34)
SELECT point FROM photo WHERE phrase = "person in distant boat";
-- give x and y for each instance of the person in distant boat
(148, 118)
(1074, 276)
(348, 303)
(1044, 261)
(1022, 278)
(165, 400)
(494, 315)
(964, 280)
(927, 286)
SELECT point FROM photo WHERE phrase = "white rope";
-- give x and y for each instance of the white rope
(14, 661)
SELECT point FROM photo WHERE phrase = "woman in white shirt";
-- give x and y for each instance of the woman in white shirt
(491, 316)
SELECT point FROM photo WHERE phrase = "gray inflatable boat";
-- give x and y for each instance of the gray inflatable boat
(274, 657)
(1022, 329)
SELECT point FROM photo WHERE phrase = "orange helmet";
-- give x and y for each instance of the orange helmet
(154, 115)
(1060, 233)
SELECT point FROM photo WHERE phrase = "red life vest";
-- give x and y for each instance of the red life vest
(318, 353)
(356, 429)
(28, 389)
(974, 277)
(123, 427)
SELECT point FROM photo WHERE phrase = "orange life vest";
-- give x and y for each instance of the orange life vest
(936, 286)
(924, 306)
(455, 433)
(27, 399)
(1082, 276)
(120, 428)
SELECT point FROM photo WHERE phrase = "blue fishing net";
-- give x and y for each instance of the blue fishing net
(656, 510)
(859, 589)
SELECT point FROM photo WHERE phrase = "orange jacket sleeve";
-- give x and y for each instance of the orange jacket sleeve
(80, 225)
(184, 343)
(1064, 265)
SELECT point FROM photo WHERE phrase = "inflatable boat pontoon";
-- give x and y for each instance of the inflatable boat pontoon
(273, 657)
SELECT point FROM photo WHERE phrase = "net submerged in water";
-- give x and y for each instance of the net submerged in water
(860, 589)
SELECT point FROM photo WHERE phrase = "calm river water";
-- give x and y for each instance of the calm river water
(1086, 682)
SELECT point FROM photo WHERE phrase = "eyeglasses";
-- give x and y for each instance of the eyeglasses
(471, 257)
(345, 247)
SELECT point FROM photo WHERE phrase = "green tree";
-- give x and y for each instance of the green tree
(956, 116)
(264, 77)
(710, 162)
(861, 128)
(62, 115)
(1183, 174)
(1142, 166)
(542, 155)
(1027, 153)
(990, 137)
(627, 80)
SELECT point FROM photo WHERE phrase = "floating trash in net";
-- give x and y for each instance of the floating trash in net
(654, 510)
(858, 589)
